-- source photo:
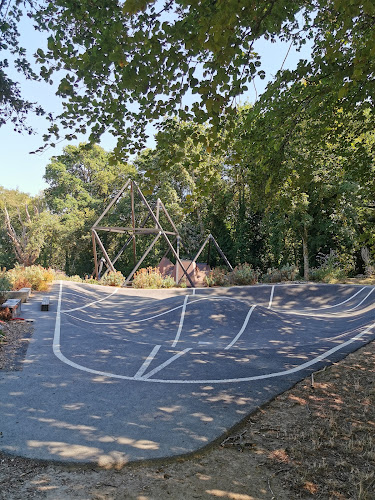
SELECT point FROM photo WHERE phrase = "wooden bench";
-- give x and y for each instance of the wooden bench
(45, 304)
(14, 305)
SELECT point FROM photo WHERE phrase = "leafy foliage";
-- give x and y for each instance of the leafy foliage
(5, 285)
(152, 278)
(285, 273)
(36, 276)
(113, 279)
(329, 270)
(217, 277)
(14, 108)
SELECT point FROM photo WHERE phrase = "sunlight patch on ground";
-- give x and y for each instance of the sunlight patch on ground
(230, 495)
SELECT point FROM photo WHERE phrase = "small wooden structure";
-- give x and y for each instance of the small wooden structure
(153, 213)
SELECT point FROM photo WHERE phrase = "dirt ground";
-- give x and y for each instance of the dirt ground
(315, 441)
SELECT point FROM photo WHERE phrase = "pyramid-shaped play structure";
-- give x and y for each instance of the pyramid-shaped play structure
(130, 213)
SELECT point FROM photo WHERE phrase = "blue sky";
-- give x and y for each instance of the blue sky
(24, 171)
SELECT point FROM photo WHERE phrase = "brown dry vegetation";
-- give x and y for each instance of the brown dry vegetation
(315, 441)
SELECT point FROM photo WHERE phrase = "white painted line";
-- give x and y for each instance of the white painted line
(242, 329)
(355, 307)
(91, 303)
(126, 321)
(147, 362)
(335, 305)
(181, 321)
(271, 297)
(56, 337)
(166, 363)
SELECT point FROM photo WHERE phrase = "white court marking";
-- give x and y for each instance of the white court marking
(355, 307)
(181, 321)
(211, 297)
(271, 297)
(146, 378)
(147, 362)
(242, 328)
(91, 303)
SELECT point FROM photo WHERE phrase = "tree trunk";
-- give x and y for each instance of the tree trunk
(305, 252)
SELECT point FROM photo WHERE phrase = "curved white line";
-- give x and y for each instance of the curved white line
(242, 329)
(181, 321)
(149, 317)
(125, 321)
(91, 303)
(323, 308)
(355, 307)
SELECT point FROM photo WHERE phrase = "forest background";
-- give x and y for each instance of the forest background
(285, 181)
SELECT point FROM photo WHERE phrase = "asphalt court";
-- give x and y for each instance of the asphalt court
(209, 335)
(119, 375)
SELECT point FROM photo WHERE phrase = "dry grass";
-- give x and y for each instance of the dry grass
(319, 436)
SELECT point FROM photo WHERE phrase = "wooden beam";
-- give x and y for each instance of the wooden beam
(168, 217)
(142, 259)
(164, 234)
(95, 254)
(136, 230)
(104, 251)
(221, 252)
(112, 202)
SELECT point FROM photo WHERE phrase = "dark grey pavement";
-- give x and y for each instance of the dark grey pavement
(113, 376)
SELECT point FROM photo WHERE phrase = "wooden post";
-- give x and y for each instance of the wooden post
(221, 252)
(95, 255)
(178, 255)
(104, 251)
(157, 210)
(142, 259)
(133, 222)
(164, 234)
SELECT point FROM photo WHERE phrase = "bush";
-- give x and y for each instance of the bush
(168, 282)
(5, 285)
(217, 277)
(285, 273)
(112, 279)
(149, 277)
(5, 314)
(329, 270)
(244, 274)
(21, 282)
(36, 277)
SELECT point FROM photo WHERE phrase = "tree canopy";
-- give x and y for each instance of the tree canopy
(124, 64)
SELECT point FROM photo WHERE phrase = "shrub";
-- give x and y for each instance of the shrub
(329, 269)
(217, 277)
(149, 277)
(285, 273)
(244, 274)
(36, 276)
(21, 282)
(112, 279)
(182, 283)
(168, 282)
(5, 314)
(91, 281)
(5, 285)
